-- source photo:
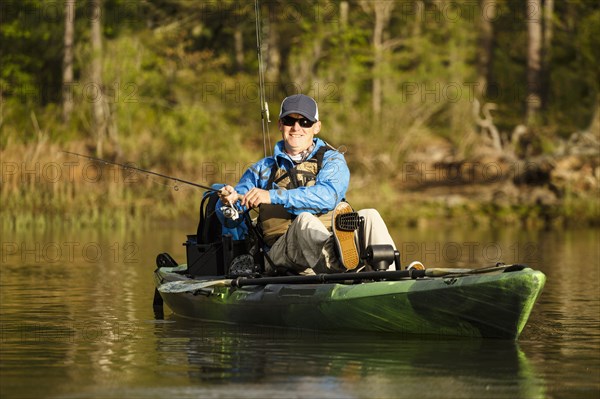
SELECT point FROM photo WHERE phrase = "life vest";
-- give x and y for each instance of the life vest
(275, 219)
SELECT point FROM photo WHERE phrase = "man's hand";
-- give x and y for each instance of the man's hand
(228, 195)
(255, 197)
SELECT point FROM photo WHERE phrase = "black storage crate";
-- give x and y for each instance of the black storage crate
(212, 259)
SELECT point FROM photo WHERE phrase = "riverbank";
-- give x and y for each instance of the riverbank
(560, 188)
(41, 186)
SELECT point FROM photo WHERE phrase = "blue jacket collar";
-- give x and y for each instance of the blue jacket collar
(279, 154)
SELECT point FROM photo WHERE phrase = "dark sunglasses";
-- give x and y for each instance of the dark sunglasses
(290, 121)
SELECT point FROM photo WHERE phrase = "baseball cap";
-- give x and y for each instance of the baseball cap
(300, 104)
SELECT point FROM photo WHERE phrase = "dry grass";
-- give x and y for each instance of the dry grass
(41, 183)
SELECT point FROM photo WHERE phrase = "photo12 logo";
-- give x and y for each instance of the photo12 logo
(89, 92)
(67, 171)
(115, 331)
(469, 252)
(70, 252)
(322, 92)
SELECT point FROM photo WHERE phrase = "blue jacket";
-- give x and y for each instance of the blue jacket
(329, 189)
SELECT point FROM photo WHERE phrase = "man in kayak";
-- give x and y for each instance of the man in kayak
(299, 191)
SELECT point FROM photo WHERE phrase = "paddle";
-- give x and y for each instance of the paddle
(195, 285)
(176, 287)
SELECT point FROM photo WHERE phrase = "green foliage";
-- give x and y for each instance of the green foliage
(29, 44)
(575, 75)
(170, 50)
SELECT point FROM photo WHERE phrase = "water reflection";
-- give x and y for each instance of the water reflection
(357, 366)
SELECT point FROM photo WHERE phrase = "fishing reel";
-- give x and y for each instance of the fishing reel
(230, 212)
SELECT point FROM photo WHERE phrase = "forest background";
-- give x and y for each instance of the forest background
(484, 111)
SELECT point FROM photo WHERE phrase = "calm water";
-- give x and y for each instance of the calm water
(77, 322)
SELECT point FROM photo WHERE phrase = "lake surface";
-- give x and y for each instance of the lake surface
(76, 321)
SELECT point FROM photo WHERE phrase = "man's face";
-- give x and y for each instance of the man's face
(296, 137)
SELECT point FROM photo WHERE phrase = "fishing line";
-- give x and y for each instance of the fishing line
(174, 187)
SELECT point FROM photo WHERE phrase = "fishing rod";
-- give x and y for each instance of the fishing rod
(229, 211)
(125, 167)
(264, 105)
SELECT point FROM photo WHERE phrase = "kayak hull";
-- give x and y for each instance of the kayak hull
(494, 305)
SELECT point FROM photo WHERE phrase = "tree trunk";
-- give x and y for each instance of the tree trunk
(344, 54)
(419, 11)
(534, 53)
(485, 46)
(547, 49)
(377, 61)
(239, 47)
(273, 62)
(382, 10)
(67, 79)
(98, 108)
(594, 127)
(343, 15)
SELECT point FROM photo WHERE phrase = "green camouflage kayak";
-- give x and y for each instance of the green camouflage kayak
(492, 302)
